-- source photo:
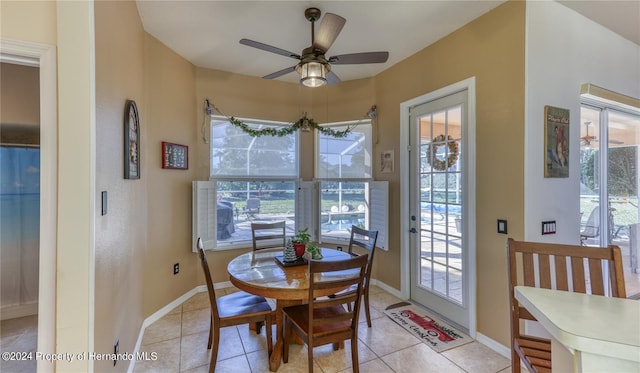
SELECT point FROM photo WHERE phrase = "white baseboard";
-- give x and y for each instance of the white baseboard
(160, 314)
(388, 289)
(13, 312)
(494, 345)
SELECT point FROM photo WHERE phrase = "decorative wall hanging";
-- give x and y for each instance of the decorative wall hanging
(386, 162)
(131, 141)
(175, 156)
(433, 149)
(556, 142)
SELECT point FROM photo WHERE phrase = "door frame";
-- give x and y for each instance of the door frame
(44, 57)
(469, 211)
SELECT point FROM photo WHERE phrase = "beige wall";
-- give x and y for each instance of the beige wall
(171, 107)
(120, 235)
(19, 104)
(33, 21)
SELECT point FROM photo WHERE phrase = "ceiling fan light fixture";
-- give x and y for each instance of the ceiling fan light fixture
(313, 74)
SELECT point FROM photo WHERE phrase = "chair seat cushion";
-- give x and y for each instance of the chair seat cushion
(241, 303)
(300, 316)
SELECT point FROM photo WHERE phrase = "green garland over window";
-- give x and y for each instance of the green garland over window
(303, 123)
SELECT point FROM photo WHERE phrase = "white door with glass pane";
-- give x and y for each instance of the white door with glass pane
(438, 246)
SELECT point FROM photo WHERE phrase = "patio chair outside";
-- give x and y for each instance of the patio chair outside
(252, 208)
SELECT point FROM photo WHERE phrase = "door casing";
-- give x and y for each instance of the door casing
(469, 85)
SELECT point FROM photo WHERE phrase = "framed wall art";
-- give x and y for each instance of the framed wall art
(131, 141)
(556, 142)
(175, 156)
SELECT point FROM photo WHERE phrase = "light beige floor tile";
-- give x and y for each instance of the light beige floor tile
(200, 369)
(477, 358)
(196, 321)
(252, 341)
(506, 370)
(168, 327)
(168, 357)
(237, 364)
(19, 335)
(380, 301)
(331, 361)
(259, 361)
(385, 337)
(375, 314)
(198, 301)
(373, 366)
(298, 360)
(373, 289)
(420, 359)
(175, 310)
(194, 352)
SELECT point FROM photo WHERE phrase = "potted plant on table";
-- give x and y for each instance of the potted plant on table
(300, 241)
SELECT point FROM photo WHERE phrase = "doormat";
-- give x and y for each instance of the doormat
(432, 331)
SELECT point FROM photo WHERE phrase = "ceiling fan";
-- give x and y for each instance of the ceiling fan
(587, 139)
(314, 68)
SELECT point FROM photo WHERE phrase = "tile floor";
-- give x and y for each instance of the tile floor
(20, 334)
(180, 340)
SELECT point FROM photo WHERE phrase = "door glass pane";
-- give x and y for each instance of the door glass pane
(622, 182)
(441, 203)
(620, 220)
(589, 177)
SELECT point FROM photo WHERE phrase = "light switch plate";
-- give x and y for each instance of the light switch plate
(502, 226)
(104, 203)
(549, 227)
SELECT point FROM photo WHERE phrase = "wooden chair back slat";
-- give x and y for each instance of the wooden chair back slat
(544, 269)
(595, 277)
(577, 273)
(617, 284)
(529, 275)
(561, 273)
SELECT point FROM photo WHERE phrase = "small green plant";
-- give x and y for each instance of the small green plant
(303, 236)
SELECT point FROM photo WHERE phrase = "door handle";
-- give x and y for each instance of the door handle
(413, 230)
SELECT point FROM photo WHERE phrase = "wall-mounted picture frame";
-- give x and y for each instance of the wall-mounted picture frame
(386, 162)
(131, 141)
(556, 142)
(175, 156)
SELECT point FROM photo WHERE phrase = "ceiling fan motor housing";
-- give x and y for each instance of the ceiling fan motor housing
(312, 14)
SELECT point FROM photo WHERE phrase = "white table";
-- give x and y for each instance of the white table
(590, 333)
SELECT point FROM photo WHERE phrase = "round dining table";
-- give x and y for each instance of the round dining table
(263, 273)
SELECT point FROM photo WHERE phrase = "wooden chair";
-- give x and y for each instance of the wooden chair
(326, 320)
(233, 309)
(268, 235)
(365, 239)
(555, 266)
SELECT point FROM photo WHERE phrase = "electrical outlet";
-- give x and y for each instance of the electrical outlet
(116, 349)
(176, 268)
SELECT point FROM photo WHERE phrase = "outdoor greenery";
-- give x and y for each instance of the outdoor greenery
(622, 185)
